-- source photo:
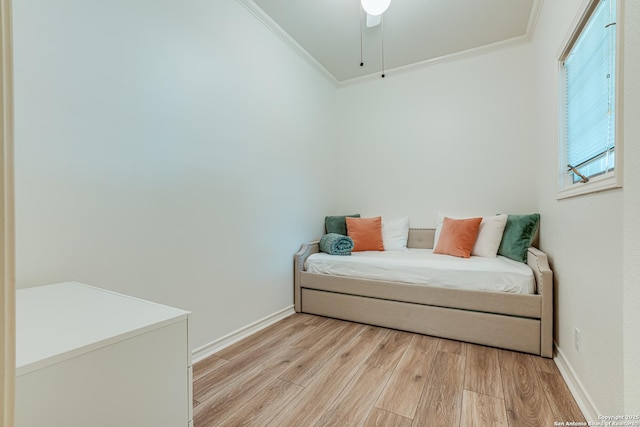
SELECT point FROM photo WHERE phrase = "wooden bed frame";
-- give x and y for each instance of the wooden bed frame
(520, 322)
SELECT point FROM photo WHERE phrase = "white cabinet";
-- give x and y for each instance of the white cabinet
(88, 357)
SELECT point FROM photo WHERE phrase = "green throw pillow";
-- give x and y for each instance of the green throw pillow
(337, 224)
(518, 236)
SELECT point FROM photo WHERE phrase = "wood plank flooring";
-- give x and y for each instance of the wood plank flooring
(313, 371)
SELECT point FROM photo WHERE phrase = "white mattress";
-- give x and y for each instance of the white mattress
(422, 266)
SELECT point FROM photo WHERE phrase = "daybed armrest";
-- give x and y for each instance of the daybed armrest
(298, 265)
(539, 263)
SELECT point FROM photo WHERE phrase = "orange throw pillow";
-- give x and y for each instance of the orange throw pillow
(366, 233)
(458, 236)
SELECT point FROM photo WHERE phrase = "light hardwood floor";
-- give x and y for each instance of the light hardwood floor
(313, 371)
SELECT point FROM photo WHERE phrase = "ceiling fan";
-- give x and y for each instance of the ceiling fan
(374, 10)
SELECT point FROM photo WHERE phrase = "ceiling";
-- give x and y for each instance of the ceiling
(416, 32)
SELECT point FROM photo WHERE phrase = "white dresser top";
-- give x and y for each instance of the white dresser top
(61, 321)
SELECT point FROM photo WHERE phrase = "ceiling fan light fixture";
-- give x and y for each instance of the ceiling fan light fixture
(373, 21)
(375, 7)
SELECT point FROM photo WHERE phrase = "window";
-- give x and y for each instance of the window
(590, 142)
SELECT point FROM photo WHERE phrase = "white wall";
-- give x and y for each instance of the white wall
(480, 136)
(583, 237)
(167, 150)
(631, 210)
(455, 138)
(163, 146)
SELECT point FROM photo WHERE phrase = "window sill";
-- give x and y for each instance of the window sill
(597, 184)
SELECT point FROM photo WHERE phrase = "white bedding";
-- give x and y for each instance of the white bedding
(422, 266)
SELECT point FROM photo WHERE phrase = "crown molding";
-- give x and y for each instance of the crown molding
(527, 37)
(287, 39)
(390, 72)
(536, 9)
(469, 53)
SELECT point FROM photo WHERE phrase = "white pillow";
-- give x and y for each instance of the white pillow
(489, 234)
(395, 234)
(439, 221)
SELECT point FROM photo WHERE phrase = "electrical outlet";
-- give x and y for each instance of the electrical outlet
(578, 340)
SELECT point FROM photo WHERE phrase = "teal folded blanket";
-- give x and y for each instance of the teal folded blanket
(336, 244)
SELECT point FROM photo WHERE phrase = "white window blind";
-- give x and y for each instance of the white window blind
(589, 72)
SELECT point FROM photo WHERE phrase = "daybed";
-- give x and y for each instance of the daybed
(521, 322)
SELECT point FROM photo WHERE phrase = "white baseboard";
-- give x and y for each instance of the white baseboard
(584, 401)
(208, 349)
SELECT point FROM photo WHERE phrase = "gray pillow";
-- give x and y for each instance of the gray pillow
(337, 224)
